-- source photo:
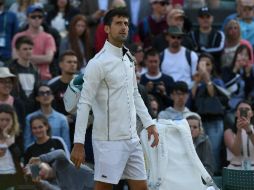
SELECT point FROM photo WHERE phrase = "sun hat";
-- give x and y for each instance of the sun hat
(5, 73)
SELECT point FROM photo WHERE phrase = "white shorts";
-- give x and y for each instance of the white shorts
(115, 160)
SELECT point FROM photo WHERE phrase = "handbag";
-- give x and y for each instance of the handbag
(209, 105)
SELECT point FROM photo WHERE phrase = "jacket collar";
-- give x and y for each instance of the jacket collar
(119, 52)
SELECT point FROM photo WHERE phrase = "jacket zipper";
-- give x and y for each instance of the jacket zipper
(108, 107)
(127, 94)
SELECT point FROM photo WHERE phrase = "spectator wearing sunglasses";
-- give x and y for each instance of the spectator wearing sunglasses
(176, 60)
(57, 121)
(44, 43)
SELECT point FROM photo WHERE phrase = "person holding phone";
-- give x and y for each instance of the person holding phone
(239, 138)
(204, 90)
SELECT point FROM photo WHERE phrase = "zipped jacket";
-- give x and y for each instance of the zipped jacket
(110, 89)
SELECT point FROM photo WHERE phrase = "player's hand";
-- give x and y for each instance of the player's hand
(78, 154)
(152, 130)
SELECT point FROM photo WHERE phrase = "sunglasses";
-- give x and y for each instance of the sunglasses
(45, 93)
(36, 16)
(176, 37)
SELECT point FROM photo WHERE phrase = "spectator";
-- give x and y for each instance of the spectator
(232, 41)
(175, 17)
(58, 121)
(68, 64)
(138, 10)
(44, 143)
(60, 15)
(205, 93)
(239, 138)
(44, 44)
(179, 96)
(94, 11)
(246, 21)
(67, 176)
(156, 83)
(7, 82)
(238, 78)
(206, 38)
(11, 173)
(8, 28)
(234, 16)
(201, 141)
(78, 40)
(176, 60)
(19, 8)
(153, 24)
(27, 75)
(138, 52)
(154, 107)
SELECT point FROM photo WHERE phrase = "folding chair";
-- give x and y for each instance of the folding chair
(237, 179)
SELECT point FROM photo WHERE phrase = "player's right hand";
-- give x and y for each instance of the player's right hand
(78, 154)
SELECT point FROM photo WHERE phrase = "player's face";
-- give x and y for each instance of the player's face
(118, 30)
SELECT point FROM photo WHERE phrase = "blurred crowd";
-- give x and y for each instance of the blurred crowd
(186, 67)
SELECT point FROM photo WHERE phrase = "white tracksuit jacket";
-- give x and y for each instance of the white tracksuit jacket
(110, 89)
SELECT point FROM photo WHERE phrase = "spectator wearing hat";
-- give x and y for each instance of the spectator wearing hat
(154, 24)
(175, 17)
(157, 84)
(176, 60)
(7, 82)
(179, 96)
(246, 21)
(206, 38)
(44, 43)
(8, 28)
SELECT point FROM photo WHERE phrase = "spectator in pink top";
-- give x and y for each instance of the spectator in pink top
(44, 44)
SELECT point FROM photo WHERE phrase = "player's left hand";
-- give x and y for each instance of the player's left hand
(152, 130)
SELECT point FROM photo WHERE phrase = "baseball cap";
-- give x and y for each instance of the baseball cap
(33, 8)
(204, 11)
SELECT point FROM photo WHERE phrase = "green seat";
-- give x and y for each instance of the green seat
(218, 180)
(237, 179)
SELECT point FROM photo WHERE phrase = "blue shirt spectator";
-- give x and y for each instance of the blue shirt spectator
(8, 27)
(58, 123)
